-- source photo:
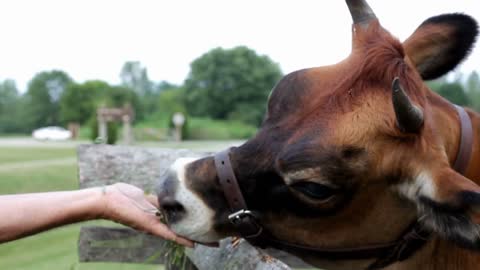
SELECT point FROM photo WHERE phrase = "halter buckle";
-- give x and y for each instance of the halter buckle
(238, 216)
(246, 223)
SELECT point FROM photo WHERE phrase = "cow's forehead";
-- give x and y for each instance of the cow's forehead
(376, 59)
(298, 91)
(287, 94)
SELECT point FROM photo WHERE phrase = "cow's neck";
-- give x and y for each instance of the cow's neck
(439, 254)
(473, 170)
(452, 128)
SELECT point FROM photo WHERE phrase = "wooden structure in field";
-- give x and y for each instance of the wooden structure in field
(124, 115)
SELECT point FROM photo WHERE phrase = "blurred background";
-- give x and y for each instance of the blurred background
(212, 62)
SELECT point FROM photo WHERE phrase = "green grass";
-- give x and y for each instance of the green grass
(50, 250)
(12, 154)
(201, 128)
(39, 179)
(208, 129)
(55, 249)
(156, 129)
(15, 135)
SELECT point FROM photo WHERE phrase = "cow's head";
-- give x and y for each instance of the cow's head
(347, 155)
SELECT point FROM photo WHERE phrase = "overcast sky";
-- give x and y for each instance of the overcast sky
(91, 39)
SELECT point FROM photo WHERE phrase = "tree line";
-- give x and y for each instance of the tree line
(462, 90)
(225, 84)
(53, 98)
(222, 84)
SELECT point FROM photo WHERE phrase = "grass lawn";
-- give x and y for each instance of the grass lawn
(198, 128)
(12, 154)
(55, 249)
(39, 179)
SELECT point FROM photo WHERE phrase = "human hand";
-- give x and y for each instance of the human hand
(128, 205)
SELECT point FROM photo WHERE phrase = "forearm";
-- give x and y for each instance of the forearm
(26, 214)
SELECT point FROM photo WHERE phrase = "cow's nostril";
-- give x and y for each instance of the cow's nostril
(172, 210)
(173, 206)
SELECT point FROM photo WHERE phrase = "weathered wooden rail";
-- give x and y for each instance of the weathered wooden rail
(102, 165)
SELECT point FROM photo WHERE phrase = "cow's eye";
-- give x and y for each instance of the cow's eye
(314, 190)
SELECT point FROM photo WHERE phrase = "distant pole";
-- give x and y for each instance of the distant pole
(127, 129)
(178, 120)
(74, 128)
(102, 129)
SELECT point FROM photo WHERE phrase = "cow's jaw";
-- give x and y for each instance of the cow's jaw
(196, 223)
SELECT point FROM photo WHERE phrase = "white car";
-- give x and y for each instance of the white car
(52, 133)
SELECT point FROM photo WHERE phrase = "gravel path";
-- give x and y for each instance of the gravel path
(192, 145)
(29, 142)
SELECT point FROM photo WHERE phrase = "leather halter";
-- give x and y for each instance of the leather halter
(466, 141)
(246, 221)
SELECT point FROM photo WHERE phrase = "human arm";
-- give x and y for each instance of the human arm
(26, 214)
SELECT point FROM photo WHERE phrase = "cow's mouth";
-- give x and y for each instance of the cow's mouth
(172, 213)
(185, 212)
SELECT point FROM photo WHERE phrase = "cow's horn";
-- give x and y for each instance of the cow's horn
(361, 12)
(409, 116)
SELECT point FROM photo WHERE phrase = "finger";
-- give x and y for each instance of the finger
(169, 235)
(152, 199)
(159, 229)
(184, 242)
(133, 216)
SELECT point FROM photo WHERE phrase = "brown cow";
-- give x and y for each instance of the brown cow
(344, 161)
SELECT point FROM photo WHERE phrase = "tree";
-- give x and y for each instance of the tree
(170, 101)
(473, 83)
(165, 85)
(79, 102)
(436, 84)
(10, 108)
(118, 96)
(454, 93)
(135, 77)
(43, 97)
(8, 96)
(472, 87)
(223, 83)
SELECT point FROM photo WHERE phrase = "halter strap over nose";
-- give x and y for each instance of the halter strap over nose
(242, 219)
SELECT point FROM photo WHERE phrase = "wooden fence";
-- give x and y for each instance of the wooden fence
(102, 165)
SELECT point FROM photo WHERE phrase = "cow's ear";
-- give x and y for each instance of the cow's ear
(449, 204)
(440, 43)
